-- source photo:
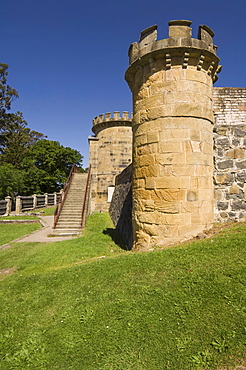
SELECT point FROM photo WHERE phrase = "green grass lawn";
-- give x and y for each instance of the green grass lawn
(10, 232)
(87, 304)
(22, 217)
(48, 211)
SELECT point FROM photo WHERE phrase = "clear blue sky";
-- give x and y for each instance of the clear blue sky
(67, 58)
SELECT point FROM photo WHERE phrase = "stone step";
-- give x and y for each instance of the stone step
(69, 222)
(71, 218)
(77, 188)
(68, 227)
(71, 210)
(79, 202)
(73, 204)
(66, 232)
(72, 229)
(67, 213)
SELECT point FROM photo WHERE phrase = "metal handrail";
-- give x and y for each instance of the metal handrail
(85, 198)
(62, 199)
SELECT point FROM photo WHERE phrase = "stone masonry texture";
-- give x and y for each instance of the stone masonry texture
(230, 153)
(229, 138)
(189, 143)
(172, 81)
(110, 153)
(121, 206)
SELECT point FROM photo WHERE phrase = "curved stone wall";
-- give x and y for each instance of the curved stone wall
(110, 153)
(171, 81)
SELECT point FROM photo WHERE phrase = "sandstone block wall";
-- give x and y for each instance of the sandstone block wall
(171, 81)
(229, 138)
(110, 153)
(230, 153)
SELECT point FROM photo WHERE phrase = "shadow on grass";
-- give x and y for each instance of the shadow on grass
(116, 238)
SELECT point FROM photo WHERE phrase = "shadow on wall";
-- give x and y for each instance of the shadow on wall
(121, 207)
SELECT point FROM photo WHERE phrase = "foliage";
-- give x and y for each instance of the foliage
(7, 93)
(16, 139)
(55, 159)
(11, 180)
(32, 164)
(47, 166)
(66, 307)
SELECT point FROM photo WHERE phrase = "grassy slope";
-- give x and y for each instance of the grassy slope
(180, 308)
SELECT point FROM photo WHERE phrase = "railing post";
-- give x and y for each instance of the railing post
(8, 200)
(55, 198)
(87, 193)
(34, 201)
(46, 199)
(18, 206)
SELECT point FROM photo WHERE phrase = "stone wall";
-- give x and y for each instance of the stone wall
(229, 165)
(172, 82)
(121, 206)
(230, 153)
(110, 153)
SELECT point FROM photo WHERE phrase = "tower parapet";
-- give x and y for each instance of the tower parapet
(180, 49)
(171, 81)
(110, 120)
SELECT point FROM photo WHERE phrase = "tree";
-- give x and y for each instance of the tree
(7, 93)
(11, 181)
(28, 162)
(17, 138)
(50, 162)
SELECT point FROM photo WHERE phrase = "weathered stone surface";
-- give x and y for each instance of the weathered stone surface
(230, 116)
(121, 206)
(241, 165)
(223, 165)
(238, 205)
(223, 142)
(223, 178)
(222, 206)
(234, 189)
(172, 108)
(110, 153)
(241, 177)
(235, 153)
(240, 133)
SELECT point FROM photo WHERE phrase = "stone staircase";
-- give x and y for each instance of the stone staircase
(69, 222)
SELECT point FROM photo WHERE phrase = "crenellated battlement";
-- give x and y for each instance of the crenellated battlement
(106, 120)
(178, 50)
(109, 117)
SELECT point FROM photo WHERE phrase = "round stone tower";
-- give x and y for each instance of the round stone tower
(110, 153)
(171, 81)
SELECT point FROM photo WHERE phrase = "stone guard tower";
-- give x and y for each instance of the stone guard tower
(110, 153)
(171, 81)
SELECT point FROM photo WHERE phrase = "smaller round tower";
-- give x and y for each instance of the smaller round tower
(110, 153)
